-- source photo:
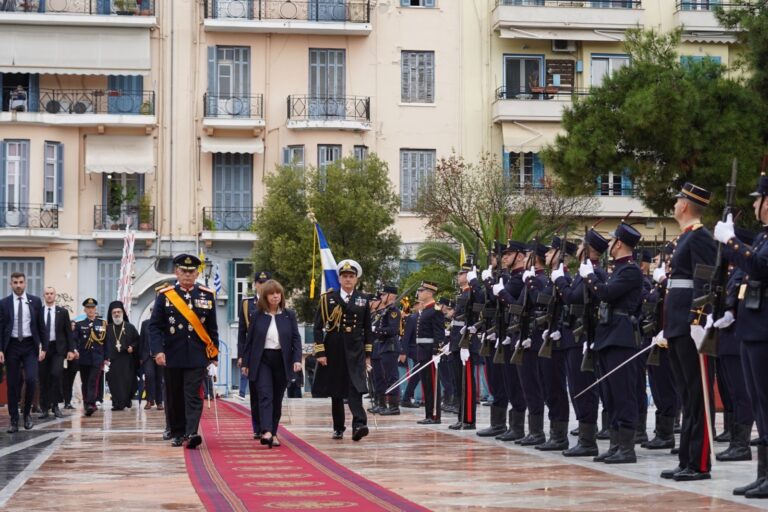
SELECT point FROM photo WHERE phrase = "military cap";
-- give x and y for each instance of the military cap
(571, 248)
(388, 288)
(762, 186)
(695, 194)
(90, 302)
(186, 261)
(540, 249)
(498, 247)
(465, 267)
(515, 246)
(428, 285)
(262, 277)
(645, 256)
(445, 301)
(596, 241)
(627, 234)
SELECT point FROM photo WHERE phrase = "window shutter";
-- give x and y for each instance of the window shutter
(429, 3)
(24, 186)
(538, 171)
(405, 182)
(405, 3)
(211, 107)
(60, 174)
(599, 186)
(626, 183)
(404, 75)
(2, 177)
(34, 92)
(286, 156)
(1, 88)
(231, 292)
(505, 159)
(41, 7)
(429, 77)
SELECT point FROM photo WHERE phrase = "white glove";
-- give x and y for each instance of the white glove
(486, 274)
(586, 268)
(556, 335)
(464, 354)
(527, 343)
(557, 273)
(492, 336)
(724, 230)
(507, 341)
(660, 340)
(498, 287)
(447, 332)
(698, 331)
(472, 274)
(545, 334)
(660, 273)
(531, 272)
(585, 347)
(106, 367)
(472, 329)
(725, 321)
(212, 370)
(445, 350)
(463, 330)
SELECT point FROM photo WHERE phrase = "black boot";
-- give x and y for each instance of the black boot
(677, 426)
(558, 437)
(604, 432)
(641, 434)
(762, 472)
(726, 435)
(393, 406)
(626, 452)
(587, 444)
(665, 438)
(613, 446)
(575, 432)
(498, 422)
(739, 448)
(535, 431)
(516, 427)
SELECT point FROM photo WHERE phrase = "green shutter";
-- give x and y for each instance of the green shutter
(231, 291)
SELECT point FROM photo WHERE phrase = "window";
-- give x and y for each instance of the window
(416, 166)
(120, 195)
(327, 154)
(614, 184)
(417, 77)
(53, 174)
(699, 5)
(229, 85)
(605, 66)
(327, 83)
(361, 153)
(525, 170)
(107, 276)
(130, 98)
(33, 268)
(294, 156)
(417, 3)
(521, 74)
(240, 280)
(687, 60)
(233, 191)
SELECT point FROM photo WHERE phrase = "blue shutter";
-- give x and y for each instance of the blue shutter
(599, 185)
(538, 171)
(130, 89)
(104, 6)
(2, 176)
(429, 3)
(505, 161)
(211, 107)
(231, 292)
(60, 174)
(626, 183)
(286, 156)
(405, 3)
(1, 92)
(24, 185)
(41, 7)
(34, 92)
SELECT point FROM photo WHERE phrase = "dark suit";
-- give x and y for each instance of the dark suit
(153, 374)
(269, 368)
(248, 311)
(22, 352)
(52, 367)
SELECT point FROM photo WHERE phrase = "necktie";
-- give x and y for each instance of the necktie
(20, 320)
(346, 299)
(48, 321)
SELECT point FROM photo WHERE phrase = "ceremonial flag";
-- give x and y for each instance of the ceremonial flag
(462, 255)
(330, 277)
(217, 280)
(127, 262)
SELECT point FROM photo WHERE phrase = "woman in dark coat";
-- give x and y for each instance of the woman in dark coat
(272, 353)
(122, 343)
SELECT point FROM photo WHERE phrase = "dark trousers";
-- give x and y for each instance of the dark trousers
(153, 381)
(641, 385)
(512, 387)
(528, 375)
(391, 374)
(722, 383)
(555, 386)
(465, 374)
(355, 403)
(662, 382)
(447, 376)
(183, 400)
(431, 388)
(620, 397)
(21, 354)
(253, 390)
(494, 375)
(377, 376)
(68, 380)
(754, 356)
(91, 378)
(586, 405)
(51, 371)
(729, 367)
(414, 381)
(694, 440)
(271, 386)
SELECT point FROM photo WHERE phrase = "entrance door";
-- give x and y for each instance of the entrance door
(125, 94)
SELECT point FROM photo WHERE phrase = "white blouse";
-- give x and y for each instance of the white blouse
(273, 339)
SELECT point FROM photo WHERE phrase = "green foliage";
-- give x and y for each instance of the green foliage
(664, 122)
(435, 272)
(750, 19)
(354, 203)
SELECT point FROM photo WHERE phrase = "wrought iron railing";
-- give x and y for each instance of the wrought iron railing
(141, 218)
(80, 101)
(703, 5)
(340, 108)
(549, 92)
(95, 7)
(351, 11)
(225, 218)
(595, 4)
(29, 216)
(227, 105)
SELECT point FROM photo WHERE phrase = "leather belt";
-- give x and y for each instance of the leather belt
(674, 283)
(424, 341)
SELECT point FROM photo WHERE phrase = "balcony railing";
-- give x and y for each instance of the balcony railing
(228, 106)
(595, 4)
(29, 216)
(227, 218)
(703, 5)
(350, 11)
(337, 108)
(141, 218)
(549, 92)
(81, 101)
(94, 7)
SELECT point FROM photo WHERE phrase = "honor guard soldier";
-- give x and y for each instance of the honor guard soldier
(246, 314)
(184, 337)
(386, 331)
(343, 346)
(694, 247)
(91, 333)
(465, 348)
(752, 325)
(408, 352)
(446, 373)
(430, 336)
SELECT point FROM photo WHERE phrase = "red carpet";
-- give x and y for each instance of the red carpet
(231, 471)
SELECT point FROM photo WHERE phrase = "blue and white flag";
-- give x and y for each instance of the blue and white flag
(330, 273)
(217, 280)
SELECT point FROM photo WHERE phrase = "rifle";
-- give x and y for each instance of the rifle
(588, 360)
(485, 350)
(523, 325)
(498, 356)
(717, 278)
(468, 314)
(654, 356)
(551, 302)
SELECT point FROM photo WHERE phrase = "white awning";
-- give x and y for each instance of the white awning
(74, 50)
(528, 137)
(708, 37)
(232, 145)
(119, 154)
(565, 34)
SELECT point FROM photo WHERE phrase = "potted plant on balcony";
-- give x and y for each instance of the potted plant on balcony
(145, 213)
(209, 224)
(118, 196)
(125, 7)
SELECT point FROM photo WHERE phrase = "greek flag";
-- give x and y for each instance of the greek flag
(217, 280)
(330, 273)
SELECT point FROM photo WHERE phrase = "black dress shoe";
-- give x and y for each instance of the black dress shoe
(89, 410)
(268, 441)
(166, 435)
(689, 475)
(408, 404)
(68, 406)
(44, 416)
(338, 434)
(28, 422)
(177, 441)
(13, 427)
(428, 421)
(57, 412)
(669, 474)
(468, 426)
(455, 426)
(194, 441)
(359, 433)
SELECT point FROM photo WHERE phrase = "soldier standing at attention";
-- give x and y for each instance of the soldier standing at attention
(91, 333)
(430, 333)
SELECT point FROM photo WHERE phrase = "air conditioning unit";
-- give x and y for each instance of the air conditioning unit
(562, 45)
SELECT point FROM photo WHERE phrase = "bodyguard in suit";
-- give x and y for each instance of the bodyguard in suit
(61, 346)
(154, 375)
(24, 342)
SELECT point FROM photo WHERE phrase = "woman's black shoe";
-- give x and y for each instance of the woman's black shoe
(267, 440)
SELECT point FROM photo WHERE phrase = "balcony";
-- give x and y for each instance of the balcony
(697, 18)
(329, 17)
(28, 223)
(110, 223)
(227, 223)
(533, 104)
(80, 107)
(329, 113)
(229, 112)
(114, 13)
(567, 15)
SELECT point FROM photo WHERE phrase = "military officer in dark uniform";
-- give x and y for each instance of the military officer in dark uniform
(343, 346)
(91, 334)
(408, 352)
(247, 312)
(446, 371)
(386, 331)
(184, 336)
(752, 325)
(430, 336)
(464, 359)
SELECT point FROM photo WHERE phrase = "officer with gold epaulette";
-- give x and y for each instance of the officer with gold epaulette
(430, 336)
(184, 337)
(91, 333)
(387, 334)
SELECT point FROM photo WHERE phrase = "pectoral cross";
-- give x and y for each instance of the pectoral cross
(118, 346)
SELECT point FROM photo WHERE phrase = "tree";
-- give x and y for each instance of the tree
(662, 122)
(355, 204)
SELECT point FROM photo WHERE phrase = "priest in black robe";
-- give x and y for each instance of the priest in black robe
(122, 344)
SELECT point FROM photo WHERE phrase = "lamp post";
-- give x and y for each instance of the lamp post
(208, 268)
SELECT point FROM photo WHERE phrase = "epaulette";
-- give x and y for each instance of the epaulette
(159, 288)
(164, 288)
(205, 289)
(438, 307)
